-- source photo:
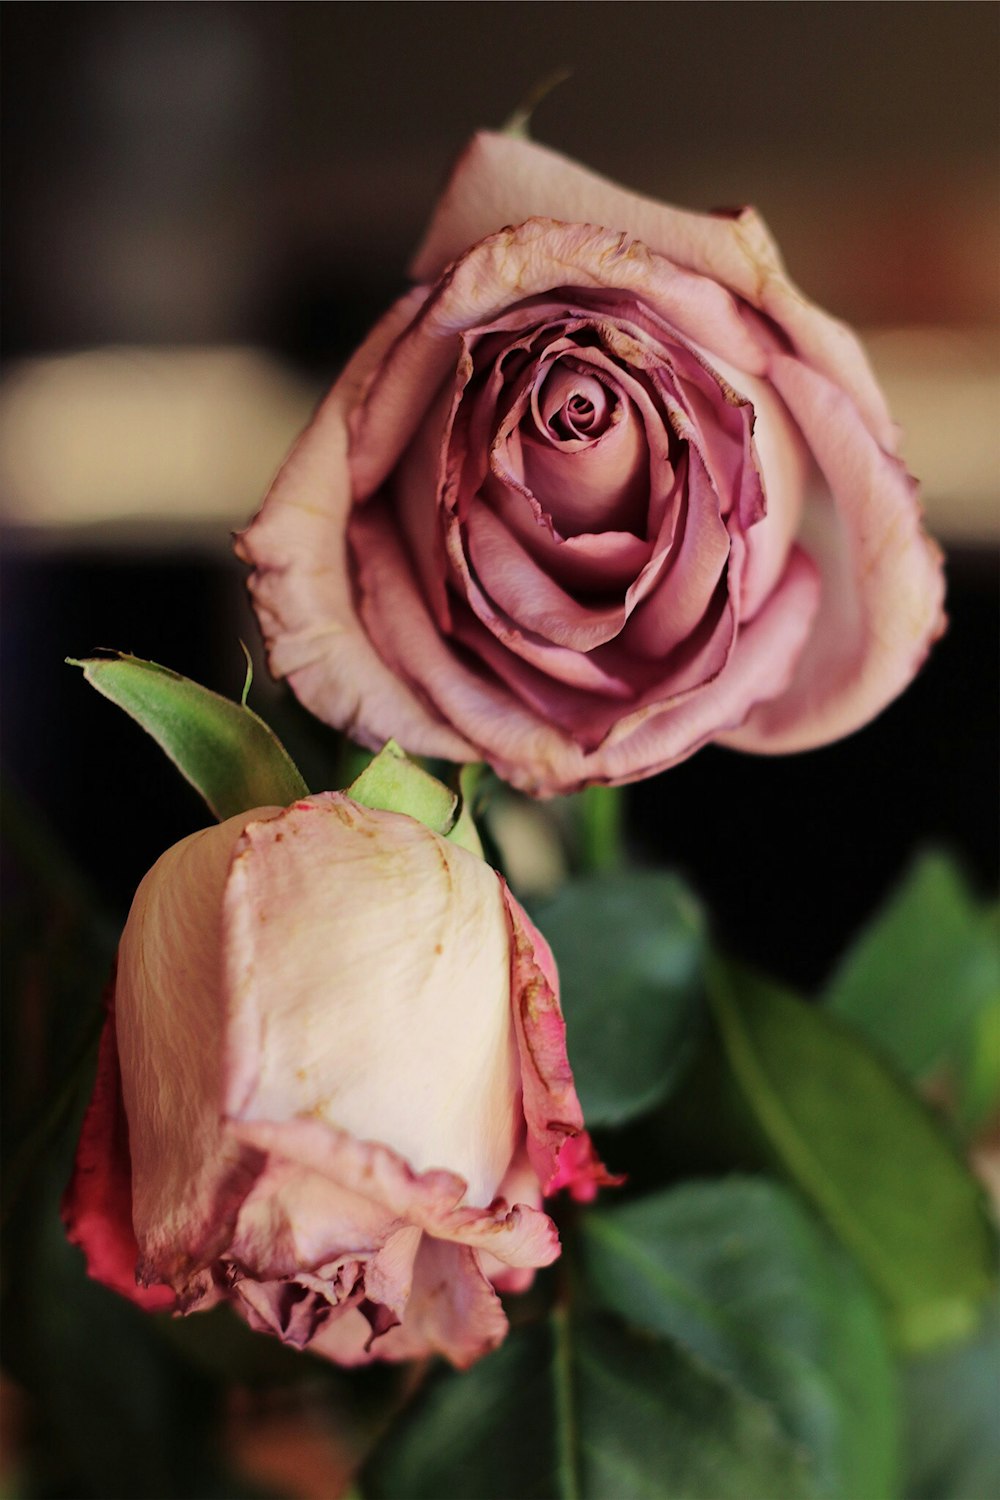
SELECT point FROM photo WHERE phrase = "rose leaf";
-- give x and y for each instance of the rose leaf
(864, 1150)
(630, 949)
(923, 983)
(746, 1280)
(582, 1408)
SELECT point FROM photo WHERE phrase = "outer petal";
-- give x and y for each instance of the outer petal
(188, 1178)
(369, 1190)
(763, 659)
(301, 588)
(97, 1205)
(559, 1148)
(367, 972)
(500, 180)
(453, 1310)
(882, 581)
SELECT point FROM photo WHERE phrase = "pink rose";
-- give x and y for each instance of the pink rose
(603, 487)
(332, 1088)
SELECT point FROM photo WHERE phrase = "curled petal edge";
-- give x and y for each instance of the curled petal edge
(559, 1148)
(97, 1204)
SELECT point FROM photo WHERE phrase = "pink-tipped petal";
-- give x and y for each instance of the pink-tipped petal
(558, 1146)
(453, 1309)
(97, 1204)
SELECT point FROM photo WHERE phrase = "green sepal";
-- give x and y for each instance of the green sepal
(392, 782)
(223, 749)
(517, 122)
(464, 832)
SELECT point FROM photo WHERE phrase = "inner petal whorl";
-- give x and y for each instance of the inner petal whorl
(573, 406)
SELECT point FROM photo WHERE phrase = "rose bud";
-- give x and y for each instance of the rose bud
(603, 487)
(332, 1088)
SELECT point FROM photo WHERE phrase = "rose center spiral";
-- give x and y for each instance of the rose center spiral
(574, 407)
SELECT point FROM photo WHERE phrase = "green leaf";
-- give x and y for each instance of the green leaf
(865, 1151)
(745, 1280)
(630, 949)
(394, 783)
(952, 1432)
(224, 750)
(923, 982)
(584, 1409)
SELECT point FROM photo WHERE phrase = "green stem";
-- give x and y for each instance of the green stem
(566, 1435)
(601, 823)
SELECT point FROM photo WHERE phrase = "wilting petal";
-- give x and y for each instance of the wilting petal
(97, 1205)
(188, 1177)
(301, 586)
(351, 1021)
(453, 1309)
(882, 586)
(559, 1148)
(375, 1190)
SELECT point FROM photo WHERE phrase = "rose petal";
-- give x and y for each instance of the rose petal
(559, 1148)
(297, 1218)
(684, 591)
(519, 1186)
(301, 587)
(453, 1309)
(97, 1204)
(355, 1021)
(188, 1178)
(524, 592)
(881, 601)
(603, 562)
(783, 461)
(433, 1201)
(764, 657)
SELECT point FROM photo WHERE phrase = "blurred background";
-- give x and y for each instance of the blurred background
(207, 205)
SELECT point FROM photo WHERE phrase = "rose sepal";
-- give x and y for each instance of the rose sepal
(226, 752)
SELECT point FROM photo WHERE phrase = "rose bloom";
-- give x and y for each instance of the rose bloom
(603, 487)
(332, 1088)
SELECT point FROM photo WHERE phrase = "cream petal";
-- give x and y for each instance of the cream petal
(188, 1176)
(397, 1026)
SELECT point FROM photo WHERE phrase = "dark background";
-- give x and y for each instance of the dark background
(255, 175)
